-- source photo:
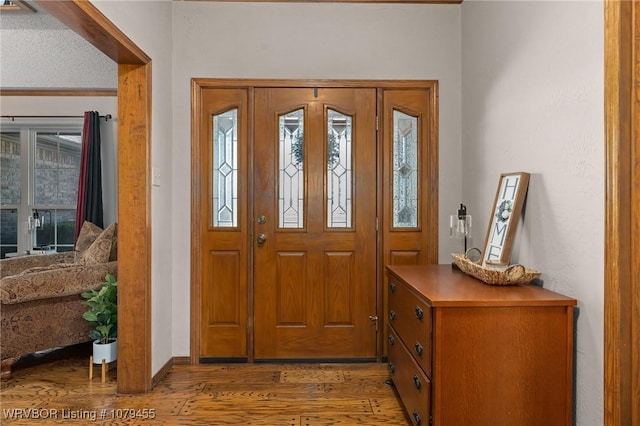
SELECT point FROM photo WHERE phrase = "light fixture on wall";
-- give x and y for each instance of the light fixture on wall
(460, 225)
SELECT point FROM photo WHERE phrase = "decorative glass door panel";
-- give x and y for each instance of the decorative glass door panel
(339, 170)
(291, 170)
(225, 170)
(405, 170)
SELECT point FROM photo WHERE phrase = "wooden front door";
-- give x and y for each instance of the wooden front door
(300, 195)
(315, 223)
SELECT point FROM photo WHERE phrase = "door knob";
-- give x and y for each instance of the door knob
(262, 238)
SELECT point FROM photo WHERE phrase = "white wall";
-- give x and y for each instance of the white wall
(532, 89)
(76, 106)
(148, 24)
(308, 41)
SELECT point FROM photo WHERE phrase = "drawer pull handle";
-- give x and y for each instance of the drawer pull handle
(416, 418)
(392, 315)
(392, 287)
(419, 313)
(391, 340)
(416, 382)
(419, 349)
(392, 368)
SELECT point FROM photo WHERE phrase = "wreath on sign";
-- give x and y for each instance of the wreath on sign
(504, 211)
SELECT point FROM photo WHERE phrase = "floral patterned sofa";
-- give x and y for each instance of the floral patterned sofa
(41, 307)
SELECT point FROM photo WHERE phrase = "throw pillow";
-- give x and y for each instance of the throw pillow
(88, 234)
(100, 250)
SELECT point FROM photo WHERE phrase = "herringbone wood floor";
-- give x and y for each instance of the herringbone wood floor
(58, 392)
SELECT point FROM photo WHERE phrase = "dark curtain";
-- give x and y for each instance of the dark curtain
(89, 205)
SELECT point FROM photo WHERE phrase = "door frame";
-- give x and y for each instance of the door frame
(431, 176)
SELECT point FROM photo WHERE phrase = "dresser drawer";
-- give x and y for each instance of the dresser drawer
(411, 383)
(411, 318)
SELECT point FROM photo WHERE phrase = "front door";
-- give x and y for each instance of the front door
(314, 223)
(300, 196)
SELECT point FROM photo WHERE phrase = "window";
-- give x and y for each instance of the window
(291, 170)
(39, 189)
(225, 169)
(405, 170)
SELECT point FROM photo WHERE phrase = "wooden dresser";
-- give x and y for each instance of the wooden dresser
(462, 352)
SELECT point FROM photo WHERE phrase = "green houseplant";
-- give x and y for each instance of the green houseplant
(103, 315)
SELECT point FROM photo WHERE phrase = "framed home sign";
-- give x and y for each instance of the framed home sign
(510, 196)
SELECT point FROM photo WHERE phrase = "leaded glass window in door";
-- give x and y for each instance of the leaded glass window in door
(405, 170)
(339, 171)
(225, 170)
(291, 170)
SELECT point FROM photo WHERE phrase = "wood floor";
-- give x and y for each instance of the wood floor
(58, 391)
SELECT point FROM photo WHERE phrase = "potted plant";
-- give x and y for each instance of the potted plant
(103, 315)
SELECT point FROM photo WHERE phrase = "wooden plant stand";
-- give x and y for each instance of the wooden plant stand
(104, 369)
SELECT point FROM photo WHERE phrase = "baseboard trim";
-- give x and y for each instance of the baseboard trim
(157, 378)
(181, 360)
(222, 360)
(314, 360)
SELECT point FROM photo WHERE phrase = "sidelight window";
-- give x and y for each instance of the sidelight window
(225, 169)
(405, 170)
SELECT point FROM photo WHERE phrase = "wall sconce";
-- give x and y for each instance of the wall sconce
(460, 225)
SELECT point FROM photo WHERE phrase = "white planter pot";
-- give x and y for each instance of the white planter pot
(107, 352)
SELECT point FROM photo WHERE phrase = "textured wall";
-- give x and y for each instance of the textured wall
(533, 101)
(37, 51)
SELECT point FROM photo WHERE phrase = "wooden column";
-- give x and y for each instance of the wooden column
(134, 231)
(622, 215)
